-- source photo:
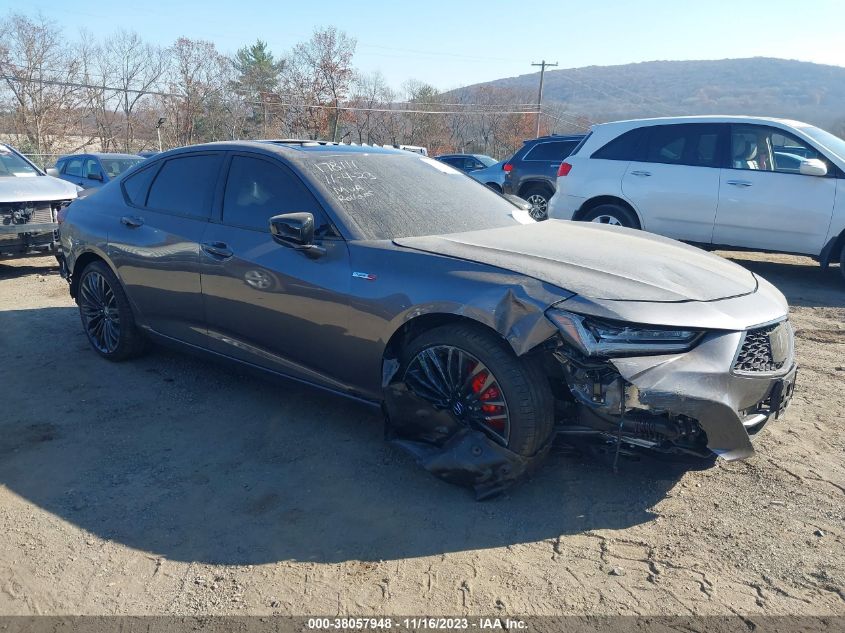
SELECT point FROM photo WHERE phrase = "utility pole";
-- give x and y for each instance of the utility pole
(542, 66)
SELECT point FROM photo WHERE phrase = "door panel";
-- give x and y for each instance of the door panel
(764, 202)
(674, 182)
(158, 262)
(274, 306)
(677, 201)
(774, 211)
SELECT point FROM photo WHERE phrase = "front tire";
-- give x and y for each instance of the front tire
(612, 214)
(538, 197)
(106, 314)
(476, 376)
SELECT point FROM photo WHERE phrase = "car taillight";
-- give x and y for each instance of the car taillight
(507, 167)
(564, 169)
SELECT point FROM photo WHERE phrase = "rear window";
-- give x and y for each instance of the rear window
(581, 144)
(551, 150)
(185, 185)
(388, 196)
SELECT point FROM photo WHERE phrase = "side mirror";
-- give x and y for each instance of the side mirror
(812, 167)
(517, 201)
(52, 171)
(296, 230)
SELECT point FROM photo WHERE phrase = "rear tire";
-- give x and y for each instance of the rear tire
(613, 214)
(106, 314)
(519, 383)
(538, 197)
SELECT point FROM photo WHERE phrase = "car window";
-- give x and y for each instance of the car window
(257, 189)
(623, 147)
(690, 144)
(551, 150)
(91, 167)
(116, 166)
(136, 186)
(757, 147)
(388, 195)
(74, 167)
(185, 185)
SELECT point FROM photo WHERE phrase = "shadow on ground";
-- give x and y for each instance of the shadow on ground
(196, 462)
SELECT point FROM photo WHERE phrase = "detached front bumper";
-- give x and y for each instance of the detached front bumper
(696, 398)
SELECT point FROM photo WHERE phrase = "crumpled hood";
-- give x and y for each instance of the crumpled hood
(598, 261)
(35, 189)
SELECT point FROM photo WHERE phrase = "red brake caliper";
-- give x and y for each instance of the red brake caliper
(492, 393)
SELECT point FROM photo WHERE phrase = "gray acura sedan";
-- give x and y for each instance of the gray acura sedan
(397, 280)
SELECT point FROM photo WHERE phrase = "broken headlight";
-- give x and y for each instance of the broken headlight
(595, 337)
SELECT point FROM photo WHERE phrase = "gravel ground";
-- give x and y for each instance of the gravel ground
(169, 485)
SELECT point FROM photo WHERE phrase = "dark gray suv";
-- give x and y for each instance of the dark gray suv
(531, 173)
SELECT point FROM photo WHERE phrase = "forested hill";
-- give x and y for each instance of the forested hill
(757, 86)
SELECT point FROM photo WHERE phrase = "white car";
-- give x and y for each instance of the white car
(718, 181)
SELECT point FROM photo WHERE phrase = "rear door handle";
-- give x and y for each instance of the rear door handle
(217, 250)
(739, 183)
(131, 221)
(640, 173)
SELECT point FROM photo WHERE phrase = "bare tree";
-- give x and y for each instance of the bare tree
(320, 73)
(42, 78)
(134, 67)
(371, 94)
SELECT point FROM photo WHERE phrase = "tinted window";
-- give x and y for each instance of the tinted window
(185, 185)
(257, 189)
(74, 167)
(624, 147)
(137, 185)
(694, 145)
(552, 150)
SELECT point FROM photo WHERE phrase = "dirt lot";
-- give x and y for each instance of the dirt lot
(172, 486)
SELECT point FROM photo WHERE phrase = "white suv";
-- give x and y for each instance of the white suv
(727, 181)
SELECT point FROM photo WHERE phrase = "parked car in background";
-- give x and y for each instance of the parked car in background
(720, 181)
(30, 202)
(391, 278)
(531, 172)
(148, 153)
(467, 162)
(94, 170)
(417, 149)
(492, 176)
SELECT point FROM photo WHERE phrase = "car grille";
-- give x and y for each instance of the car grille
(765, 349)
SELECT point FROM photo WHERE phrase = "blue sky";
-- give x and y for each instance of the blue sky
(454, 43)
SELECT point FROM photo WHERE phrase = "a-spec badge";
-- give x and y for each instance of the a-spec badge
(365, 276)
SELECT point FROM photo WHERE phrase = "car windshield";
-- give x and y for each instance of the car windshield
(389, 196)
(116, 166)
(12, 164)
(830, 141)
(488, 161)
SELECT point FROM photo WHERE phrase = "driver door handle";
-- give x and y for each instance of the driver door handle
(641, 173)
(131, 221)
(217, 250)
(739, 183)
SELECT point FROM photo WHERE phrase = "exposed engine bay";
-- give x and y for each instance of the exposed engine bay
(27, 227)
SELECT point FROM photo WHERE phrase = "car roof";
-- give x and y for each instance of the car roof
(111, 155)
(290, 148)
(704, 118)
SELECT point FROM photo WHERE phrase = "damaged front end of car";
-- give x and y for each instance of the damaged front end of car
(673, 390)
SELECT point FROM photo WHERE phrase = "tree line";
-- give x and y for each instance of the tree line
(119, 93)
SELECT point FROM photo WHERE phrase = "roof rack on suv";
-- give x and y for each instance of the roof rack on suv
(298, 141)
